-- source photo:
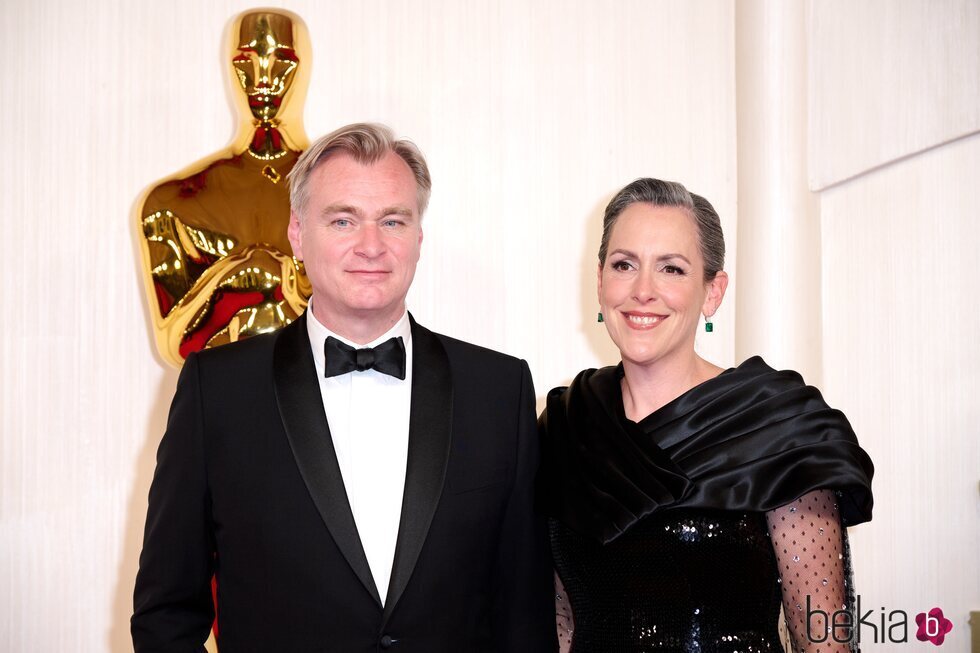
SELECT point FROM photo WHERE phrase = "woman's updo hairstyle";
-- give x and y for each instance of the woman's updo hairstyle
(670, 193)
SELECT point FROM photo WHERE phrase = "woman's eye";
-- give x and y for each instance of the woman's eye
(621, 266)
(673, 269)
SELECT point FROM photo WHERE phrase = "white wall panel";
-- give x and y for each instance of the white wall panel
(531, 114)
(889, 78)
(902, 359)
(778, 305)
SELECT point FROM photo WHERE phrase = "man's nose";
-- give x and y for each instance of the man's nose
(369, 244)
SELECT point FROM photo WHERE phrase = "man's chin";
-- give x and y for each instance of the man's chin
(375, 309)
(362, 304)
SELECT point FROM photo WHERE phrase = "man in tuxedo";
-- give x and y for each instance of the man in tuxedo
(354, 482)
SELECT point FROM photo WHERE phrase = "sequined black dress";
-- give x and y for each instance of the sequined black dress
(658, 528)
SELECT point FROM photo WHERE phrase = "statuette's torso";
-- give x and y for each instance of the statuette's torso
(218, 262)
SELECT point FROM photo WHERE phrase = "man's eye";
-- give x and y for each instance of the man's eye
(341, 222)
(391, 223)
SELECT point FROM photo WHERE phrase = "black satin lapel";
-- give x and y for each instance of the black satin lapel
(301, 409)
(429, 437)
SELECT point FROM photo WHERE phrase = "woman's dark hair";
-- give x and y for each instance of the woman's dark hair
(670, 193)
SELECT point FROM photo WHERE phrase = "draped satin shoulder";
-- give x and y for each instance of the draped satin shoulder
(751, 439)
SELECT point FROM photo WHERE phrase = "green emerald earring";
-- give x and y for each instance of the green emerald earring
(708, 326)
(600, 318)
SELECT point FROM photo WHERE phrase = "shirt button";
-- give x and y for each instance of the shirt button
(386, 641)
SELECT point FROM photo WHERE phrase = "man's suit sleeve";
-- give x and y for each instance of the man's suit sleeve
(173, 609)
(524, 604)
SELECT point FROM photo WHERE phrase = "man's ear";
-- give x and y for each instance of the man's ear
(295, 234)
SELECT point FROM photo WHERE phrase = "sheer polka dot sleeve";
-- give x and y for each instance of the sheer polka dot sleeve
(563, 617)
(808, 539)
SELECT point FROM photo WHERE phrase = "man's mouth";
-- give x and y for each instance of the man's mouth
(368, 273)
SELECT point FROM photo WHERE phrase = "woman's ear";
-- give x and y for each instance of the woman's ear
(598, 284)
(716, 292)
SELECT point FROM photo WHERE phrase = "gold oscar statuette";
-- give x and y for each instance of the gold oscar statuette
(216, 261)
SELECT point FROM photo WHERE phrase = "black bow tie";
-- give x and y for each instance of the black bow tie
(387, 358)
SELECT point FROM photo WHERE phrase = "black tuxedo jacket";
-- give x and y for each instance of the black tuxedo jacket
(247, 488)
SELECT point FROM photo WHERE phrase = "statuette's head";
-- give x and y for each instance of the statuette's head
(267, 55)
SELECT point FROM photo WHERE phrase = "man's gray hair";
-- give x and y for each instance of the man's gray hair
(657, 192)
(367, 143)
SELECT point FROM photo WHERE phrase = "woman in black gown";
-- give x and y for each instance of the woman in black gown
(688, 502)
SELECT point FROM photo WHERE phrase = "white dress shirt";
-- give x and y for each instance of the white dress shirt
(368, 415)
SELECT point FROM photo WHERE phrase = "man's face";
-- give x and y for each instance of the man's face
(359, 237)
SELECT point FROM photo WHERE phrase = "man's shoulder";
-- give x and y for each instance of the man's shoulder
(245, 357)
(480, 367)
(462, 352)
(492, 378)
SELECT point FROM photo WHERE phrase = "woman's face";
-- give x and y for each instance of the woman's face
(651, 288)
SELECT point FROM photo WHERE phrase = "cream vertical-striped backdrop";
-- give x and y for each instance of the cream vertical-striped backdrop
(531, 114)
